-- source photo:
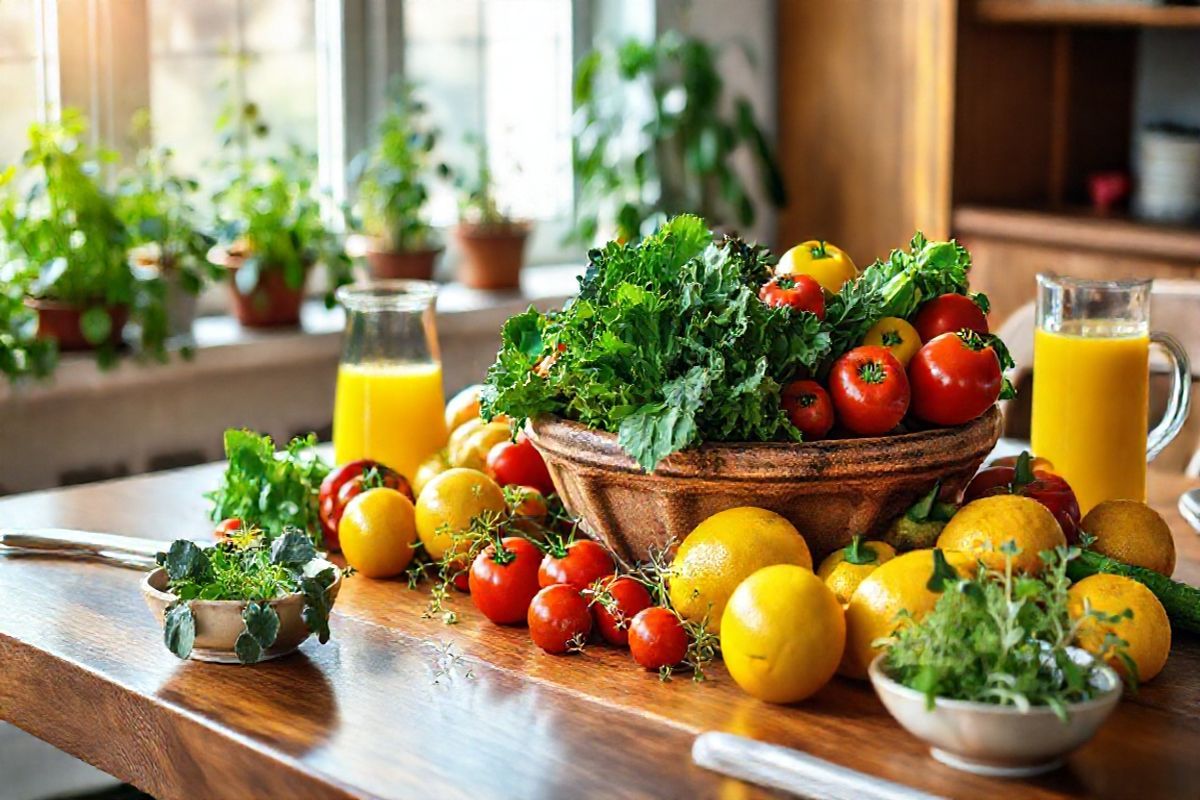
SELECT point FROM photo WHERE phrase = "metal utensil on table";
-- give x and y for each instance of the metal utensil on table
(127, 551)
(793, 771)
(1189, 508)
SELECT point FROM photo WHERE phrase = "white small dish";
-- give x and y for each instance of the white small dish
(994, 740)
(219, 622)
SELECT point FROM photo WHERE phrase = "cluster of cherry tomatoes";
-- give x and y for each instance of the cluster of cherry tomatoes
(944, 367)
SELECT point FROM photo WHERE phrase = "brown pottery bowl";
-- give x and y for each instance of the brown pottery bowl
(830, 490)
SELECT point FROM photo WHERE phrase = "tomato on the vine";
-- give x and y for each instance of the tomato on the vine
(657, 638)
(949, 313)
(559, 619)
(869, 390)
(504, 579)
(799, 292)
(955, 378)
(519, 464)
(1037, 483)
(577, 564)
(226, 529)
(809, 408)
(348, 481)
(615, 602)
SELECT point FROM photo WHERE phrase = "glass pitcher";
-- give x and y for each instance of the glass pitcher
(1091, 386)
(389, 404)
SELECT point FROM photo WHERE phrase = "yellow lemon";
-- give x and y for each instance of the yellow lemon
(447, 505)
(899, 585)
(983, 526)
(430, 468)
(1133, 532)
(825, 263)
(724, 550)
(843, 570)
(782, 634)
(1148, 632)
(896, 335)
(463, 407)
(471, 450)
(378, 533)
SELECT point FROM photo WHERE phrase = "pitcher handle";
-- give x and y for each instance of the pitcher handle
(1181, 395)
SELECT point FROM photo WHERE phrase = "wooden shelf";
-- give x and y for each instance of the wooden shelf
(1077, 12)
(1080, 230)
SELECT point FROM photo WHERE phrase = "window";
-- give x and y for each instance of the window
(500, 68)
(20, 78)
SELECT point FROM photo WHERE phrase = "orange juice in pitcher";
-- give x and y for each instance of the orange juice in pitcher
(389, 405)
(1091, 386)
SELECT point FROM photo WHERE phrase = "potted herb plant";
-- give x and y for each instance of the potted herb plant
(393, 194)
(492, 242)
(65, 241)
(635, 173)
(156, 205)
(272, 229)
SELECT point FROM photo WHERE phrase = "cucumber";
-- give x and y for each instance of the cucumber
(1181, 601)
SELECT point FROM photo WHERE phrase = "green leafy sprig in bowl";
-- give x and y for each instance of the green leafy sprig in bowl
(244, 599)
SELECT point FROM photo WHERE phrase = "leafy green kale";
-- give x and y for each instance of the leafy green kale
(667, 345)
(268, 490)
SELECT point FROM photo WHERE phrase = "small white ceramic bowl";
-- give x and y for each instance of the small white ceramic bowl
(993, 740)
(219, 622)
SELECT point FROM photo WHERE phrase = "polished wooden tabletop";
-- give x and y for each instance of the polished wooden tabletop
(401, 706)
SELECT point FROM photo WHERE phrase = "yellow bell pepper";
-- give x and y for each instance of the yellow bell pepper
(826, 264)
(896, 335)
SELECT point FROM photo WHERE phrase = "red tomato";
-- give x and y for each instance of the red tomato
(949, 313)
(559, 619)
(800, 292)
(869, 390)
(657, 638)
(226, 528)
(579, 564)
(1042, 485)
(954, 378)
(519, 463)
(504, 581)
(809, 408)
(345, 483)
(615, 602)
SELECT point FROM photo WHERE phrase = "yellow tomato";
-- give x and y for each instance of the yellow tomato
(429, 469)
(896, 335)
(378, 532)
(825, 263)
(843, 570)
(463, 407)
(449, 503)
(471, 450)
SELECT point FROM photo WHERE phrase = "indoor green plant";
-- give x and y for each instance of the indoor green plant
(492, 242)
(156, 205)
(271, 226)
(66, 246)
(634, 174)
(391, 178)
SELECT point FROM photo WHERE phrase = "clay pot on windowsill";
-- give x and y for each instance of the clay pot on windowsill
(406, 264)
(492, 255)
(272, 304)
(61, 322)
(181, 303)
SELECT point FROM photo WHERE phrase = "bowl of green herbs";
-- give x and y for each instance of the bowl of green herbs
(246, 599)
(991, 678)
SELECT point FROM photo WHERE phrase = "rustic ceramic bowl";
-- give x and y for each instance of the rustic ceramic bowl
(219, 622)
(999, 741)
(831, 490)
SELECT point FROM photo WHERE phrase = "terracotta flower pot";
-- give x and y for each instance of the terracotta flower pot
(830, 490)
(408, 264)
(492, 254)
(61, 322)
(272, 304)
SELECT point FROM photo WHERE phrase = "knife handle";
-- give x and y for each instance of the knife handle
(53, 539)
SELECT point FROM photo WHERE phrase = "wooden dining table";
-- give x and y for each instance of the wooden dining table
(401, 704)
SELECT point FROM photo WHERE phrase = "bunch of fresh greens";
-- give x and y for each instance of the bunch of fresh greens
(268, 490)
(269, 211)
(249, 568)
(668, 344)
(1001, 638)
(392, 175)
(62, 236)
(157, 206)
